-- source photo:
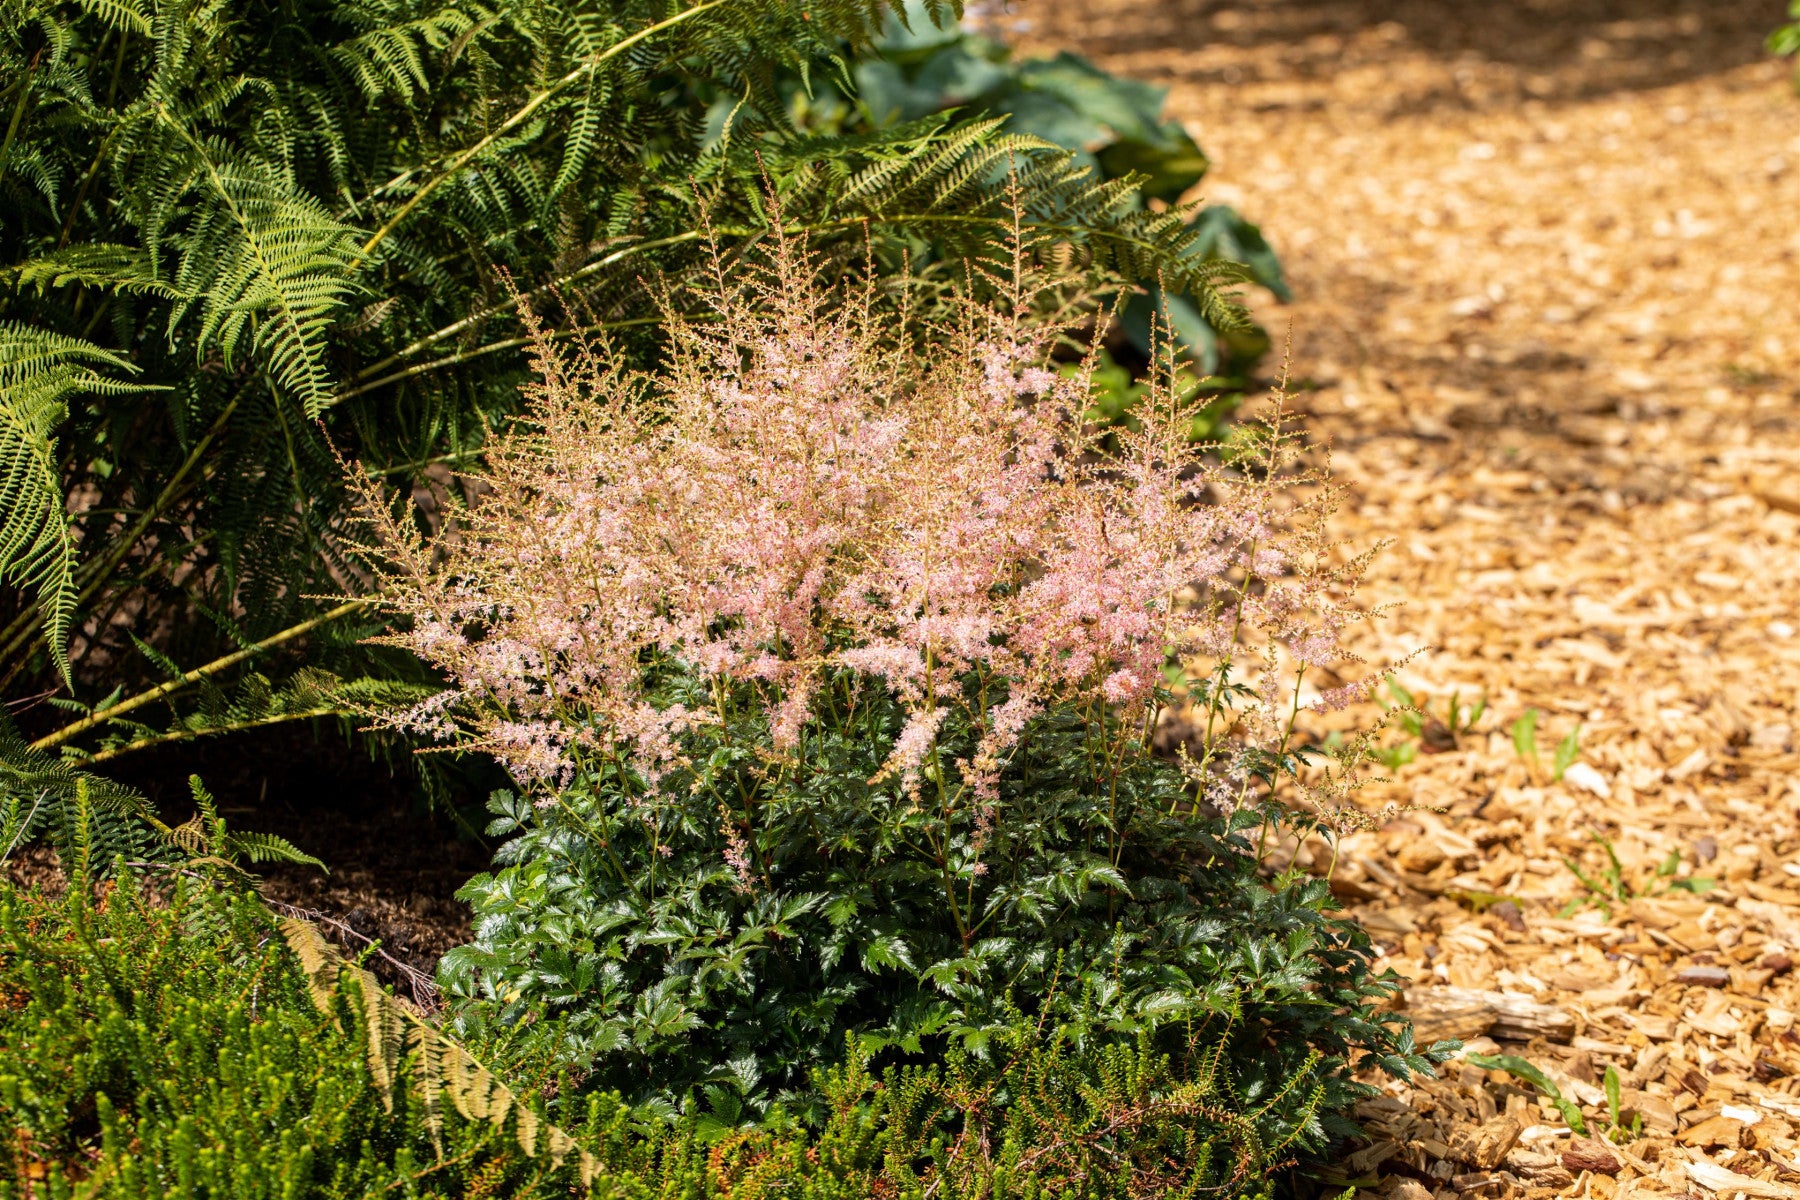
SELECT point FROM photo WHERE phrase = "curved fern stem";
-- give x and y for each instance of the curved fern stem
(77, 728)
(86, 181)
(188, 735)
(589, 270)
(102, 567)
(463, 356)
(519, 118)
(12, 128)
(476, 318)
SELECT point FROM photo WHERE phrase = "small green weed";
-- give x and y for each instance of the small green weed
(1618, 1130)
(1479, 902)
(1425, 729)
(1513, 1065)
(1611, 886)
(1786, 39)
(1524, 739)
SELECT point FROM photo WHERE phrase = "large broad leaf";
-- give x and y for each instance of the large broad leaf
(1224, 234)
(1129, 107)
(1054, 119)
(1170, 165)
(1197, 340)
(957, 75)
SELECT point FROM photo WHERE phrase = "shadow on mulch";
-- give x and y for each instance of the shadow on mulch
(1574, 49)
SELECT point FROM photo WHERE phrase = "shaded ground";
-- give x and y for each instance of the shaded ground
(1549, 281)
(395, 861)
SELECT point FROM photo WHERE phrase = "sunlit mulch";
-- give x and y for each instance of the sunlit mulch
(1548, 268)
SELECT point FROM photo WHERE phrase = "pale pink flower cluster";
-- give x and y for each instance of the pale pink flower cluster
(803, 490)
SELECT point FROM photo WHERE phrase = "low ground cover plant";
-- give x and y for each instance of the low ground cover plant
(157, 1040)
(164, 1035)
(1785, 40)
(826, 661)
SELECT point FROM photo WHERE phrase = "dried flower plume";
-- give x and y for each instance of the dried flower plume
(803, 492)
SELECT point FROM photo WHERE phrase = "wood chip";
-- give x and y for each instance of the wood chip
(1585, 1155)
(1445, 1014)
(1713, 1177)
(1717, 977)
(1582, 474)
(1712, 1133)
(1484, 1147)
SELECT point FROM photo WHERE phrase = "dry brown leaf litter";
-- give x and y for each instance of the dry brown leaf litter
(1547, 258)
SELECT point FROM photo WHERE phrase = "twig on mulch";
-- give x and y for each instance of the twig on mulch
(424, 992)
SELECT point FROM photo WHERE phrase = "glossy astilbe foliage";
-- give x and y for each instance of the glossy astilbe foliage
(826, 658)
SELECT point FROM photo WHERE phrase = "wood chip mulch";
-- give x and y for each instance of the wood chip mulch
(1548, 277)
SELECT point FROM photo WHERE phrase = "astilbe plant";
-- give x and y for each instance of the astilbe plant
(826, 659)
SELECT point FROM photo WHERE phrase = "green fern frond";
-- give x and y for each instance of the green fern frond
(103, 265)
(42, 795)
(39, 371)
(271, 269)
(126, 16)
(269, 847)
(206, 838)
(390, 60)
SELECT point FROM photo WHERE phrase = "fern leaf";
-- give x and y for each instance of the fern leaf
(273, 268)
(120, 15)
(104, 265)
(441, 1066)
(386, 1035)
(39, 370)
(269, 847)
(72, 808)
(319, 963)
(431, 1089)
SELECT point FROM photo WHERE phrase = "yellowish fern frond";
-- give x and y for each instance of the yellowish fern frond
(441, 1066)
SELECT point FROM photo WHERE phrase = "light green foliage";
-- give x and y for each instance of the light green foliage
(93, 822)
(162, 1044)
(1524, 739)
(1524, 736)
(1514, 1065)
(1618, 1129)
(1612, 886)
(1567, 751)
(39, 372)
(1208, 402)
(1786, 39)
(80, 815)
(1422, 727)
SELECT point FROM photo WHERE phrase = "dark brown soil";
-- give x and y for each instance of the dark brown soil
(395, 861)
